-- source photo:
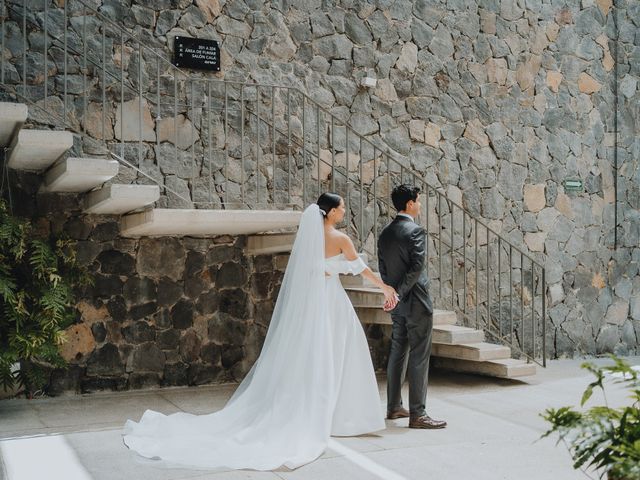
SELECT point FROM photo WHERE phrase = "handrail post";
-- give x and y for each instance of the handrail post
(375, 204)
(488, 284)
(140, 136)
(511, 293)
(544, 317)
(2, 60)
(500, 287)
(46, 53)
(333, 155)
(226, 145)
(522, 326)
(289, 144)
(348, 199)
(242, 175)
(273, 146)
(464, 261)
(304, 152)
(451, 241)
(209, 141)
(440, 243)
(361, 172)
(533, 315)
(318, 147)
(475, 259)
(258, 146)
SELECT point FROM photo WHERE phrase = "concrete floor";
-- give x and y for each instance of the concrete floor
(493, 433)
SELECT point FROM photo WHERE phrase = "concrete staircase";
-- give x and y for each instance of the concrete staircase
(44, 151)
(455, 347)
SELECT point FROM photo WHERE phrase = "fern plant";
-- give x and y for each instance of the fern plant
(37, 279)
(602, 437)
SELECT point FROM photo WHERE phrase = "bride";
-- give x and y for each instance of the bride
(314, 377)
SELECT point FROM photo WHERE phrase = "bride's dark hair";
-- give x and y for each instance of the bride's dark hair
(327, 201)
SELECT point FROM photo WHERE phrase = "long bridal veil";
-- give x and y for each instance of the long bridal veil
(281, 413)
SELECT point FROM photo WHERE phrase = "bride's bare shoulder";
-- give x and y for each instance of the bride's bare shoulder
(338, 238)
(345, 241)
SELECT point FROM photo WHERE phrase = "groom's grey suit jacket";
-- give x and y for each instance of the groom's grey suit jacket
(401, 261)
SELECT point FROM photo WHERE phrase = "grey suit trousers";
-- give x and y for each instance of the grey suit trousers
(411, 336)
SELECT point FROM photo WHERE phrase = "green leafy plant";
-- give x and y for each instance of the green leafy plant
(604, 438)
(37, 279)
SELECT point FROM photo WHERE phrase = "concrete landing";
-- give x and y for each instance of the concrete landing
(185, 222)
(270, 243)
(493, 433)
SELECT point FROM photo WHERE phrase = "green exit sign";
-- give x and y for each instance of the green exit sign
(573, 186)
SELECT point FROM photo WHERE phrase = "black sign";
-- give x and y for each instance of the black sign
(196, 53)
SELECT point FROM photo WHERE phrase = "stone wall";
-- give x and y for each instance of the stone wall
(161, 311)
(497, 102)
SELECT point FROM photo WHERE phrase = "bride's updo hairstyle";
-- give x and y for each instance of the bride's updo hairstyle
(328, 201)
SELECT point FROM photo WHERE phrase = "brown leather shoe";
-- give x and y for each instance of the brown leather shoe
(399, 413)
(426, 421)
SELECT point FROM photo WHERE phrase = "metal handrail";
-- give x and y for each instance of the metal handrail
(304, 145)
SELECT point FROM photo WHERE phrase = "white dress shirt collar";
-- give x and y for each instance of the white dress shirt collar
(406, 215)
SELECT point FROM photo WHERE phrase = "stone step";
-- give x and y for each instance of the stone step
(480, 351)
(37, 150)
(380, 317)
(79, 175)
(12, 117)
(504, 368)
(455, 334)
(370, 297)
(357, 280)
(194, 222)
(270, 243)
(119, 199)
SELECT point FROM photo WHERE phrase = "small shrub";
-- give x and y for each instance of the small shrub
(37, 278)
(605, 438)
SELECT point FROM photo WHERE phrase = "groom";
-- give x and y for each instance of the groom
(401, 260)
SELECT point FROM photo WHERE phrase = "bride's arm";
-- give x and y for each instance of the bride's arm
(349, 252)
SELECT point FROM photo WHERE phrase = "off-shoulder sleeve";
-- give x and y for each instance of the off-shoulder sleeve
(356, 266)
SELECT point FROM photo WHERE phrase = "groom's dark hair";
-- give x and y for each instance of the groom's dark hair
(402, 194)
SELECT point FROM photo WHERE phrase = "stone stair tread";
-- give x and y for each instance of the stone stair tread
(201, 222)
(37, 150)
(364, 289)
(118, 199)
(503, 367)
(376, 315)
(455, 328)
(269, 243)
(354, 281)
(12, 117)
(455, 334)
(79, 174)
(479, 351)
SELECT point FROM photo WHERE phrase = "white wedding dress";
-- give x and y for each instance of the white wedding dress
(314, 378)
